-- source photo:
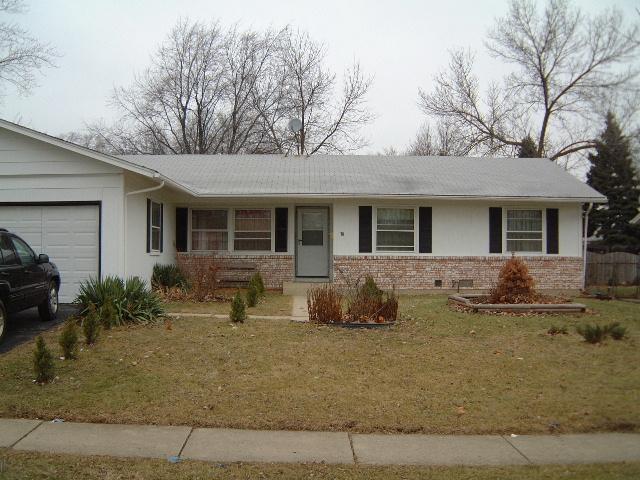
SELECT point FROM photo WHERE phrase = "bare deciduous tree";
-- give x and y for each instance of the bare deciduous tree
(446, 141)
(330, 121)
(564, 63)
(21, 55)
(214, 91)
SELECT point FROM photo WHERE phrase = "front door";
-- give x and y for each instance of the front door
(312, 242)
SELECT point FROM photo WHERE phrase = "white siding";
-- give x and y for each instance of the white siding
(138, 261)
(32, 171)
(460, 228)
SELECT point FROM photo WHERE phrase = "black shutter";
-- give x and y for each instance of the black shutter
(182, 226)
(424, 234)
(282, 227)
(552, 230)
(495, 230)
(364, 235)
(148, 225)
(161, 225)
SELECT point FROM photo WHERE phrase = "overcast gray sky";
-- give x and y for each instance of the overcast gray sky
(402, 43)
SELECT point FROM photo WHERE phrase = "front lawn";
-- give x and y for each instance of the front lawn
(437, 371)
(21, 465)
(273, 303)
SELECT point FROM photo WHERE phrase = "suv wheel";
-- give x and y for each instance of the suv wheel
(49, 308)
(3, 321)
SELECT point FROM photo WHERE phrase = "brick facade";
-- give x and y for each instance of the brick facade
(418, 273)
(275, 269)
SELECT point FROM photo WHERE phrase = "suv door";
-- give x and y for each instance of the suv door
(34, 280)
(11, 275)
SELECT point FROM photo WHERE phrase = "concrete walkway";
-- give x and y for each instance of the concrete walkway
(226, 445)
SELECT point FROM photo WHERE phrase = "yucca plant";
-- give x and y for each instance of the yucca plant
(592, 333)
(616, 331)
(167, 276)
(119, 302)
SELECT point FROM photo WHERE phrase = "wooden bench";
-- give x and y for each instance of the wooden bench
(236, 274)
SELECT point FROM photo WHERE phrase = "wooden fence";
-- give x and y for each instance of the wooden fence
(616, 268)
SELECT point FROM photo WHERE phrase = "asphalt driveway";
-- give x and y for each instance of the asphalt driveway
(25, 326)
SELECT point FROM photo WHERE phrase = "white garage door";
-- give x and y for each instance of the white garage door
(68, 234)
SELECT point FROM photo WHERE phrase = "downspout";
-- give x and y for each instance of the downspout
(126, 208)
(584, 246)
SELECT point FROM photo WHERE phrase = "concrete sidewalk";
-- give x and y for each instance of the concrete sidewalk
(226, 445)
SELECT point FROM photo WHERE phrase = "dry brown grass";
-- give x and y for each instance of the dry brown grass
(23, 465)
(273, 303)
(439, 371)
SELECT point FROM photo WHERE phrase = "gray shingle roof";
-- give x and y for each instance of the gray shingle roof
(360, 175)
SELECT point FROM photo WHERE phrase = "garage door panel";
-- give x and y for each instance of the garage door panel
(69, 234)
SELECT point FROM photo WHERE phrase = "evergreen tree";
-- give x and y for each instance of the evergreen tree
(43, 362)
(613, 174)
(528, 148)
(238, 313)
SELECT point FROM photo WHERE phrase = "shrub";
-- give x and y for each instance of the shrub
(592, 333)
(238, 313)
(515, 285)
(616, 330)
(43, 362)
(108, 314)
(252, 296)
(258, 283)
(369, 304)
(201, 273)
(553, 330)
(167, 276)
(91, 326)
(324, 304)
(68, 340)
(118, 302)
(370, 288)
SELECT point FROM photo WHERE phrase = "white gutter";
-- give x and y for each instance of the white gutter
(584, 246)
(401, 196)
(126, 208)
(145, 190)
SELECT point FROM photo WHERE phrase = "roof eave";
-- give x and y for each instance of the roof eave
(405, 196)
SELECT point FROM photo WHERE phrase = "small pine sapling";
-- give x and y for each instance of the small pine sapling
(69, 339)
(43, 362)
(258, 283)
(238, 313)
(252, 296)
(91, 326)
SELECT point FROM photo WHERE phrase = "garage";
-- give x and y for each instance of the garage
(68, 233)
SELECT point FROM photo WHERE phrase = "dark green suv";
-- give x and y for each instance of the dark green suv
(26, 280)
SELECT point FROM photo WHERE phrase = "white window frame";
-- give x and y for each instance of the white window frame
(415, 230)
(232, 241)
(191, 229)
(153, 227)
(505, 224)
